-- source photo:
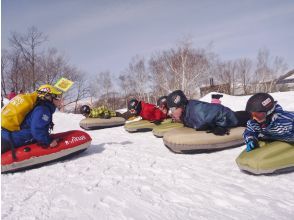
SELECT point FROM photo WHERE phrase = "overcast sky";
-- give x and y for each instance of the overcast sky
(104, 35)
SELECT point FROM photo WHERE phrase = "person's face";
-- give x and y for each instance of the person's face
(85, 114)
(260, 117)
(163, 109)
(57, 102)
(176, 114)
(133, 111)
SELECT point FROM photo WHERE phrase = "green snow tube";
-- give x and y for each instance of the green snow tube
(188, 140)
(270, 157)
(99, 123)
(160, 130)
(143, 125)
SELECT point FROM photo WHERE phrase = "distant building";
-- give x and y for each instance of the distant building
(222, 88)
(286, 82)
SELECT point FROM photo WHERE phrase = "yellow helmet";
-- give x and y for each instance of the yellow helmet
(48, 90)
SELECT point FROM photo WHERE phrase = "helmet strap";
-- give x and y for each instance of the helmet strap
(269, 112)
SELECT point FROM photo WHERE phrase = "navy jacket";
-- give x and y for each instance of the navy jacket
(202, 115)
(35, 126)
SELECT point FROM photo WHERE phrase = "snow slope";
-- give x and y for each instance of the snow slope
(134, 176)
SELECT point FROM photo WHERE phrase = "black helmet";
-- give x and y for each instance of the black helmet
(261, 102)
(176, 99)
(85, 110)
(162, 101)
(133, 104)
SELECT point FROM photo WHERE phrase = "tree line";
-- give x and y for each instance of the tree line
(27, 65)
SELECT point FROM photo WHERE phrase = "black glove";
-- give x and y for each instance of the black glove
(156, 122)
(51, 126)
(105, 116)
(219, 131)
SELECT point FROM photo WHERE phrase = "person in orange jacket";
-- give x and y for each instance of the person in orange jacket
(147, 111)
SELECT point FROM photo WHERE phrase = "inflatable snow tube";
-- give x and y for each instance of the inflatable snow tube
(270, 157)
(71, 142)
(133, 119)
(143, 125)
(100, 123)
(160, 130)
(187, 140)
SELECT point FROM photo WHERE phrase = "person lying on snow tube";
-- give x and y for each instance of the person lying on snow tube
(100, 112)
(268, 121)
(204, 116)
(147, 111)
(37, 124)
(162, 104)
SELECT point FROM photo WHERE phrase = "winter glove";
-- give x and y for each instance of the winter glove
(156, 122)
(105, 116)
(251, 145)
(51, 126)
(220, 131)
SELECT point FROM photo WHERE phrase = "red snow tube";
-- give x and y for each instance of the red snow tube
(31, 155)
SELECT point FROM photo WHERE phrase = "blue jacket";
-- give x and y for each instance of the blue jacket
(202, 115)
(35, 126)
(280, 127)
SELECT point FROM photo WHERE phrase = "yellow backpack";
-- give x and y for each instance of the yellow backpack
(13, 114)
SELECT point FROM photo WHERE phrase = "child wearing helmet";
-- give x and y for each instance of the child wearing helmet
(147, 111)
(162, 104)
(37, 123)
(100, 112)
(202, 115)
(215, 98)
(268, 121)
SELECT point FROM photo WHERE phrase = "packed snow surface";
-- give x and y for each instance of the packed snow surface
(134, 176)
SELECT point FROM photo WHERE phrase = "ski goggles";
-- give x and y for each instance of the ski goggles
(56, 97)
(258, 116)
(172, 110)
(133, 111)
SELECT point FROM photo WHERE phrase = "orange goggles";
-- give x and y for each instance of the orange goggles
(258, 116)
(133, 111)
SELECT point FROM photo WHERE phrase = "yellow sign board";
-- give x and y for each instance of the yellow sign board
(64, 84)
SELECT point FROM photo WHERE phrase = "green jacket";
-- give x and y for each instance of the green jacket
(101, 112)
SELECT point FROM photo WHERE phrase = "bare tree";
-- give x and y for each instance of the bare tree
(4, 64)
(52, 66)
(181, 68)
(137, 78)
(267, 71)
(125, 83)
(104, 85)
(28, 45)
(244, 67)
(226, 74)
(80, 89)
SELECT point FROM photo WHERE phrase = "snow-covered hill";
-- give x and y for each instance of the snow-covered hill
(134, 176)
